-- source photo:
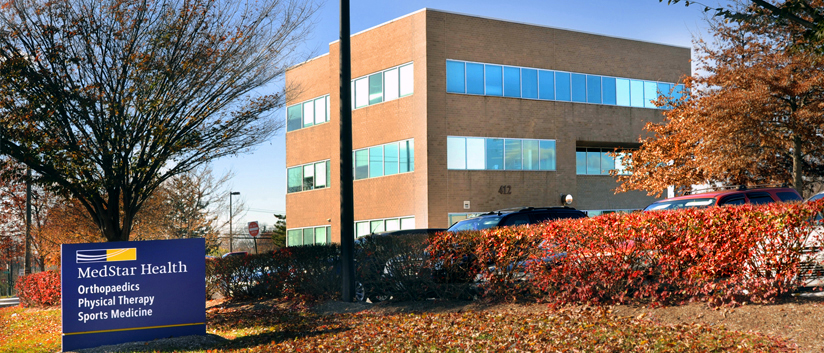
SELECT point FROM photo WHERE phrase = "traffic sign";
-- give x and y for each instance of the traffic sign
(253, 228)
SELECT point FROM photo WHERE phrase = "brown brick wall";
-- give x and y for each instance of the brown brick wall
(459, 37)
(392, 44)
(428, 38)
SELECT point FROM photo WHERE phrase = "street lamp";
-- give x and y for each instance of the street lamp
(231, 239)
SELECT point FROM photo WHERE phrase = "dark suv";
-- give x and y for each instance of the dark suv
(516, 216)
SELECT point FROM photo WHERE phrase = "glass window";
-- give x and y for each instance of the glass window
(293, 117)
(320, 175)
(474, 78)
(295, 179)
(361, 229)
(562, 86)
(495, 154)
(619, 163)
(593, 89)
(375, 88)
(678, 92)
(308, 236)
(636, 94)
(580, 160)
(608, 90)
(664, 89)
(393, 224)
(320, 235)
(407, 82)
(391, 87)
(531, 154)
(547, 161)
(376, 226)
(546, 84)
(512, 81)
(607, 162)
(308, 177)
(390, 158)
(475, 153)
(512, 154)
(410, 145)
(786, 196)
(361, 164)
(361, 92)
(376, 161)
(320, 111)
(579, 87)
(408, 223)
(529, 83)
(455, 153)
(405, 157)
(593, 161)
(650, 94)
(308, 114)
(622, 92)
(455, 77)
(493, 80)
(759, 198)
(295, 237)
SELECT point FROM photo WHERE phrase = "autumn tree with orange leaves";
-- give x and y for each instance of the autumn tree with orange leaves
(107, 99)
(755, 115)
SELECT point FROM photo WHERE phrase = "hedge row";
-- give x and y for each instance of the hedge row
(721, 255)
(40, 289)
(395, 267)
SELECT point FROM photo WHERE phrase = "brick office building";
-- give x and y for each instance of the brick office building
(455, 115)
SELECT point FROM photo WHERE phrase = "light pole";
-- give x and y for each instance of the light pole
(231, 236)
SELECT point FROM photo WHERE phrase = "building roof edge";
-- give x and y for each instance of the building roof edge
(496, 19)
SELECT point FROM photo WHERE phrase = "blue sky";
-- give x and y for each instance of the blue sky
(260, 176)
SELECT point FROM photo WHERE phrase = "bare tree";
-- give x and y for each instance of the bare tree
(107, 99)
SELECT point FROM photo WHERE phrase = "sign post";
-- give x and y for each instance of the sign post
(254, 230)
(132, 291)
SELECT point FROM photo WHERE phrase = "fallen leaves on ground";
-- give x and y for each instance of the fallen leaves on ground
(29, 330)
(275, 328)
(565, 330)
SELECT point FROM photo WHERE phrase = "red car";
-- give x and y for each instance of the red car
(739, 196)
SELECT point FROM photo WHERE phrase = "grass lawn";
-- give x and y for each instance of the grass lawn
(261, 328)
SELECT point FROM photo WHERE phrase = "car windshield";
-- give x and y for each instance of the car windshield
(678, 204)
(475, 224)
(816, 197)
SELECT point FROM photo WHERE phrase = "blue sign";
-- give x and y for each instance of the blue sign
(132, 291)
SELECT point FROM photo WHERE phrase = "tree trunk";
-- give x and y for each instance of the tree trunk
(798, 180)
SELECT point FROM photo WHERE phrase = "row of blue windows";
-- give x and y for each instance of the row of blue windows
(308, 177)
(383, 86)
(309, 236)
(389, 159)
(598, 161)
(482, 153)
(521, 82)
(308, 113)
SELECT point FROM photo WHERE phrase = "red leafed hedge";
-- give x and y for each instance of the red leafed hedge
(39, 289)
(721, 255)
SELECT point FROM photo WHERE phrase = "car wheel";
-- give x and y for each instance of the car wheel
(360, 292)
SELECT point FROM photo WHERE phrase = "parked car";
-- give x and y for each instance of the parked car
(236, 253)
(816, 197)
(516, 216)
(389, 262)
(738, 196)
(812, 256)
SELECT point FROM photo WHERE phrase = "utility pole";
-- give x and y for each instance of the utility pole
(27, 267)
(347, 208)
(231, 235)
